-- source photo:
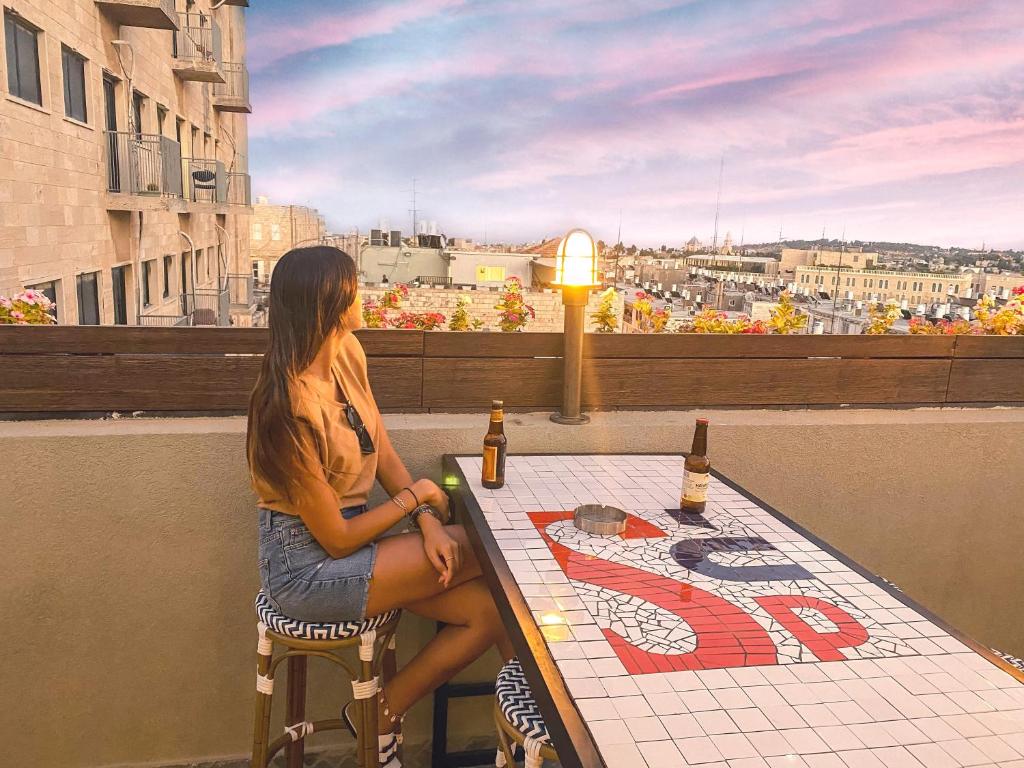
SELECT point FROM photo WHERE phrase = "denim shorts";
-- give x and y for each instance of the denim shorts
(304, 582)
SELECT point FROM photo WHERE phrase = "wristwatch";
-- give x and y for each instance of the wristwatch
(425, 509)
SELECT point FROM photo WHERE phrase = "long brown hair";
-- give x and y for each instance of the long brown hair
(310, 292)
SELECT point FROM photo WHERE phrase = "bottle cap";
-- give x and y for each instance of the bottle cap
(496, 404)
(703, 422)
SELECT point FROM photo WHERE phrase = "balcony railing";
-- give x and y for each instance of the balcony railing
(197, 48)
(143, 164)
(239, 189)
(152, 14)
(233, 94)
(206, 306)
(163, 321)
(206, 181)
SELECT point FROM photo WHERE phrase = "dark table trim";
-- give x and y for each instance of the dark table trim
(564, 722)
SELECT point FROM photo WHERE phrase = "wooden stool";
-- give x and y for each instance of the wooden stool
(519, 720)
(303, 639)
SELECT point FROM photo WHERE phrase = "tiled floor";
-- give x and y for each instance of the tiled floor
(729, 640)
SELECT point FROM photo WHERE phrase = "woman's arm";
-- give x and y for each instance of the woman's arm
(391, 471)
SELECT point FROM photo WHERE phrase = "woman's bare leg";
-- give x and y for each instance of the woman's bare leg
(404, 578)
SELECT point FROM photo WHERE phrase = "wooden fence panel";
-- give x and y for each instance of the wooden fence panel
(990, 346)
(749, 346)
(472, 383)
(128, 382)
(986, 381)
(476, 344)
(109, 340)
(654, 383)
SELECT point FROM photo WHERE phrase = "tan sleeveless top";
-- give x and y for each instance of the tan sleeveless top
(347, 470)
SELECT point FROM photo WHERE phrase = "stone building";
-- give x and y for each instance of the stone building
(883, 285)
(124, 192)
(276, 229)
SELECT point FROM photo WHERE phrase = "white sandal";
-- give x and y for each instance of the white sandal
(387, 743)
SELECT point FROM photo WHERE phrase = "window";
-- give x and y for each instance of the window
(88, 298)
(257, 231)
(275, 231)
(137, 101)
(194, 149)
(161, 118)
(168, 267)
(119, 288)
(22, 59)
(199, 266)
(49, 290)
(73, 67)
(490, 274)
(147, 286)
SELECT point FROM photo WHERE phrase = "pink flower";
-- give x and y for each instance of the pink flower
(513, 317)
(17, 315)
(5, 302)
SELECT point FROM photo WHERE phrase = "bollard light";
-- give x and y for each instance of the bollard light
(576, 275)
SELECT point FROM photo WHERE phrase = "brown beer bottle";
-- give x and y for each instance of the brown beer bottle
(696, 472)
(495, 446)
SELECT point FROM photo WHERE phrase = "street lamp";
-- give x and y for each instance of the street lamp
(576, 274)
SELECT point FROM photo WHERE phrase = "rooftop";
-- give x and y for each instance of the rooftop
(900, 451)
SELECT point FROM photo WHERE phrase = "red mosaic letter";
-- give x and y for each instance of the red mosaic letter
(824, 645)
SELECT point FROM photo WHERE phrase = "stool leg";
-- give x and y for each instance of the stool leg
(366, 700)
(505, 755)
(296, 709)
(264, 692)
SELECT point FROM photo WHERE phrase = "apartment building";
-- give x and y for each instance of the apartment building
(276, 229)
(882, 285)
(124, 192)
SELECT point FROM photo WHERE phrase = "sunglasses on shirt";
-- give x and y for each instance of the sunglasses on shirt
(356, 422)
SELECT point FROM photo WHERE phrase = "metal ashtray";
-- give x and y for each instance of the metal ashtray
(600, 519)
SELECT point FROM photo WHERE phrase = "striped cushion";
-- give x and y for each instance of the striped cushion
(315, 630)
(1011, 660)
(517, 705)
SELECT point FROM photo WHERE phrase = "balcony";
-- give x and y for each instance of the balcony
(142, 170)
(152, 14)
(206, 306)
(239, 188)
(875, 444)
(206, 181)
(233, 94)
(197, 49)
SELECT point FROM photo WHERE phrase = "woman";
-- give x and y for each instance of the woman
(316, 442)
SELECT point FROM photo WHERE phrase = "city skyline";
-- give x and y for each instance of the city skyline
(897, 122)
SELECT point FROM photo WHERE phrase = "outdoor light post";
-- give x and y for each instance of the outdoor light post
(576, 274)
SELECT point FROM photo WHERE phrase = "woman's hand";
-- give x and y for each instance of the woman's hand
(443, 552)
(429, 492)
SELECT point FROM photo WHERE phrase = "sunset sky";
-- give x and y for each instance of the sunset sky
(894, 119)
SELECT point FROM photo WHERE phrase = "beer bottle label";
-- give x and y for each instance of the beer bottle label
(695, 486)
(490, 463)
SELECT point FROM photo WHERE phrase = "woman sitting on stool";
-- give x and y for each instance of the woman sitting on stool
(316, 442)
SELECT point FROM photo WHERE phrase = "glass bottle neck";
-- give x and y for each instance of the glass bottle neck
(700, 441)
(497, 426)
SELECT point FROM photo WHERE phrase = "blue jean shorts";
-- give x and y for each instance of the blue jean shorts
(304, 582)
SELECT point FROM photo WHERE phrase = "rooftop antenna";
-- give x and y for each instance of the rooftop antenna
(835, 292)
(618, 240)
(414, 211)
(718, 203)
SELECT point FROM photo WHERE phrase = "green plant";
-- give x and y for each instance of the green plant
(785, 318)
(461, 319)
(604, 319)
(882, 318)
(513, 312)
(28, 308)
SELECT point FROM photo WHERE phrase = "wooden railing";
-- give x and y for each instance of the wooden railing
(99, 369)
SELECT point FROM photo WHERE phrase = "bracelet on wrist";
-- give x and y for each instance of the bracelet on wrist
(413, 494)
(398, 502)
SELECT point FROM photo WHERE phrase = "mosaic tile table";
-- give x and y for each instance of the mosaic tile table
(728, 640)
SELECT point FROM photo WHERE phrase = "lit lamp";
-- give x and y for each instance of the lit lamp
(576, 274)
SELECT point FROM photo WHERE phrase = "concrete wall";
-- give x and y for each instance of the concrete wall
(547, 304)
(56, 218)
(128, 566)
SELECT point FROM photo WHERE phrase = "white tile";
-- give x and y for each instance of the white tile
(770, 743)
(816, 715)
(839, 737)
(966, 725)
(623, 756)
(715, 722)
(804, 740)
(597, 709)
(935, 728)
(612, 732)
(860, 758)
(823, 761)
(661, 754)
(748, 762)
(697, 750)
(995, 748)
(896, 757)
(666, 703)
(734, 746)
(620, 686)
(750, 720)
(632, 706)
(682, 726)
(933, 756)
(646, 728)
(698, 701)
(783, 716)
(964, 752)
